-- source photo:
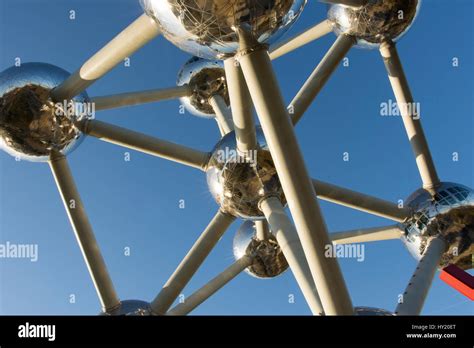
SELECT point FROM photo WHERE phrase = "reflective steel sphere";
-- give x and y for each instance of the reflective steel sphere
(131, 308)
(206, 28)
(448, 214)
(375, 22)
(31, 124)
(237, 183)
(269, 260)
(371, 311)
(206, 78)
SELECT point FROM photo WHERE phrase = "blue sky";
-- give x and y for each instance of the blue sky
(136, 204)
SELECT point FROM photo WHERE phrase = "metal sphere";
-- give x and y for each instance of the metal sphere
(31, 124)
(371, 311)
(268, 258)
(131, 308)
(375, 22)
(448, 214)
(238, 183)
(206, 78)
(207, 28)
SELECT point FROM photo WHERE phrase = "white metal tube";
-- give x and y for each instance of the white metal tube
(191, 262)
(308, 35)
(319, 77)
(417, 290)
(288, 240)
(242, 108)
(136, 98)
(146, 144)
(132, 38)
(367, 235)
(84, 233)
(360, 201)
(293, 175)
(223, 115)
(410, 116)
(211, 288)
(262, 230)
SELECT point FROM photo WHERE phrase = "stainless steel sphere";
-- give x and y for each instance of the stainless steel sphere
(448, 214)
(269, 260)
(375, 22)
(31, 124)
(206, 28)
(206, 78)
(371, 311)
(237, 183)
(131, 308)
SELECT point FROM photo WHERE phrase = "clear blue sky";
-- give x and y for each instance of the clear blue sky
(136, 204)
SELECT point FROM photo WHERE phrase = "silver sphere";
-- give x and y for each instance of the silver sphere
(237, 183)
(371, 311)
(269, 260)
(448, 214)
(375, 22)
(206, 78)
(206, 28)
(31, 124)
(131, 308)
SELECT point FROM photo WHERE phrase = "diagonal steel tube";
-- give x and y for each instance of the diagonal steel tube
(288, 240)
(262, 231)
(410, 116)
(367, 235)
(242, 108)
(223, 114)
(136, 98)
(132, 38)
(191, 262)
(319, 77)
(211, 288)
(292, 172)
(145, 143)
(417, 290)
(308, 35)
(84, 233)
(360, 201)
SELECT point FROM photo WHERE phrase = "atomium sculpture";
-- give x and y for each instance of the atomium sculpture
(253, 172)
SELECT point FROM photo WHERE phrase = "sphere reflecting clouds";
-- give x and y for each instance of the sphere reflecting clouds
(131, 308)
(31, 124)
(375, 22)
(237, 183)
(448, 214)
(206, 28)
(371, 311)
(206, 78)
(269, 260)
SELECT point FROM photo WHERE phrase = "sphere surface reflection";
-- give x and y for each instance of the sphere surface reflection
(32, 126)
(206, 28)
(375, 22)
(448, 214)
